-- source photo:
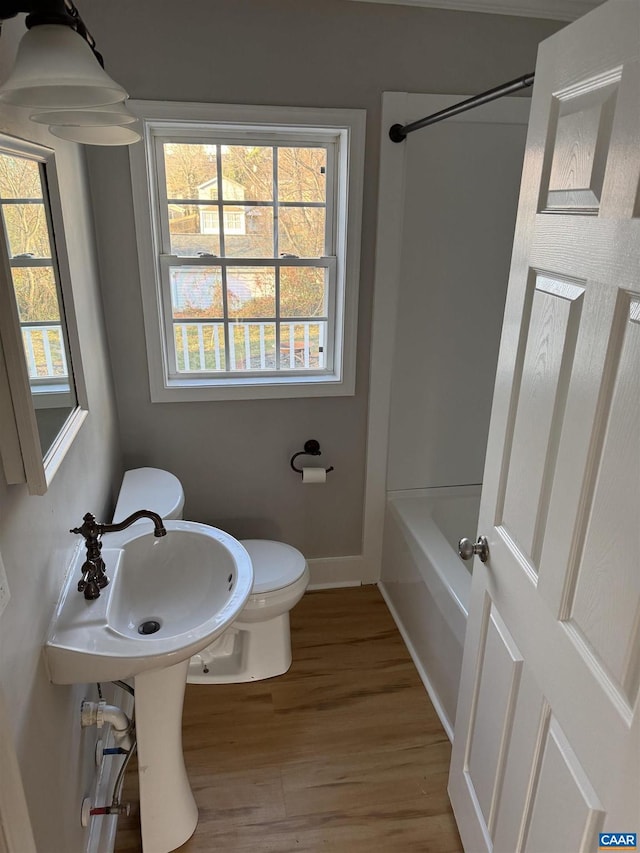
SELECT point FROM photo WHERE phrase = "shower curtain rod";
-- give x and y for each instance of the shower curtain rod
(398, 132)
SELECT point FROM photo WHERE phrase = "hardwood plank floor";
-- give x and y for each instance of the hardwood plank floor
(342, 754)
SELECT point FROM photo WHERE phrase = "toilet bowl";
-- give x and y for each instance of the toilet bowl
(258, 644)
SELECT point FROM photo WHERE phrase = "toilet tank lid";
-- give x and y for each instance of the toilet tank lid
(275, 564)
(149, 488)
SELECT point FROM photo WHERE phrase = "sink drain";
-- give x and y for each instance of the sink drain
(148, 627)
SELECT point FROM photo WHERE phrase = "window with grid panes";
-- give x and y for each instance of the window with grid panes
(250, 230)
(27, 229)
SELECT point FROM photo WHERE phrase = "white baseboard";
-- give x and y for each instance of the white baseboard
(329, 572)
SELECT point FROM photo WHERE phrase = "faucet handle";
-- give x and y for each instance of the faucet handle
(89, 582)
(89, 570)
(90, 529)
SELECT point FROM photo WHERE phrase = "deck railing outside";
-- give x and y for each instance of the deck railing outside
(252, 346)
(44, 351)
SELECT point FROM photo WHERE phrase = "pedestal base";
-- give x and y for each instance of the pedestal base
(257, 650)
(168, 811)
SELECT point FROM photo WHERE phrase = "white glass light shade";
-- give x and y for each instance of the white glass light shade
(56, 69)
(113, 135)
(105, 116)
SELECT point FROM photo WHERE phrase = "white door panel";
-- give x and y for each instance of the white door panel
(499, 669)
(561, 797)
(547, 739)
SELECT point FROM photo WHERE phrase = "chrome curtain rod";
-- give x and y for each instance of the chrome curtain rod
(398, 132)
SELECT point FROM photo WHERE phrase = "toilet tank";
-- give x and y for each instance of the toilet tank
(149, 488)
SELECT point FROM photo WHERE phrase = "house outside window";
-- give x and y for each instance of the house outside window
(233, 218)
(248, 223)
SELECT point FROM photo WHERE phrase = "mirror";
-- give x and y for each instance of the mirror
(43, 387)
(28, 233)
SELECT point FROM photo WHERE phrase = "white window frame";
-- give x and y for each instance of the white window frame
(190, 121)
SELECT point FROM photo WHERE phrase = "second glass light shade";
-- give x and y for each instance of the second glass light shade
(95, 117)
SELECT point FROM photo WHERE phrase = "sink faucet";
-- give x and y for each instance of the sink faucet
(94, 575)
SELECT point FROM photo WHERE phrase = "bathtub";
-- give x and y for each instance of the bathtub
(427, 586)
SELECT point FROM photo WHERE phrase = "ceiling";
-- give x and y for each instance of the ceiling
(558, 10)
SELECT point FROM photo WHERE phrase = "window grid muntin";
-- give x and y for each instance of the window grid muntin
(297, 140)
(214, 202)
(276, 250)
(323, 321)
(51, 262)
(327, 261)
(278, 365)
(167, 262)
(223, 253)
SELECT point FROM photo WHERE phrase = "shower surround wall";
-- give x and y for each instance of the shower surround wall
(461, 194)
(233, 457)
(56, 760)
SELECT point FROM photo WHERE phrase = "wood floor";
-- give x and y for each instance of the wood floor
(343, 754)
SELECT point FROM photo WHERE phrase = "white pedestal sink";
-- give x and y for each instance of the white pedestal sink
(191, 584)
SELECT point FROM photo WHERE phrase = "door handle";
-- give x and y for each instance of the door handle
(467, 549)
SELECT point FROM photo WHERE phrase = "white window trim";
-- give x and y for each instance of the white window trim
(349, 193)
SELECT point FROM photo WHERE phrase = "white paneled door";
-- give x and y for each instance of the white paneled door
(546, 751)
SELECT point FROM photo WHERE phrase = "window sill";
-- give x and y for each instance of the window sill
(202, 390)
(52, 396)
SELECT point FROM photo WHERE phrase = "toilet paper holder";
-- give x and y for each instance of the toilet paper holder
(311, 448)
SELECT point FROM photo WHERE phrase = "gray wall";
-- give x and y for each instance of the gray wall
(232, 457)
(56, 759)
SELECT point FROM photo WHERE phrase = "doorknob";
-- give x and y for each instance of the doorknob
(467, 550)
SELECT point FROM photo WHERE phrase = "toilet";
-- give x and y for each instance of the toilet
(258, 644)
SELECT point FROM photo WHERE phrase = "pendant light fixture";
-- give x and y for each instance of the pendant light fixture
(60, 74)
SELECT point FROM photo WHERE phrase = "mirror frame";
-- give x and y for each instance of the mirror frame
(20, 447)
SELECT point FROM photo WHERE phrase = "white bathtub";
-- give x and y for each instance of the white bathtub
(427, 586)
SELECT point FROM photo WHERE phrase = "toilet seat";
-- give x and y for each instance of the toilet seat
(280, 579)
(275, 565)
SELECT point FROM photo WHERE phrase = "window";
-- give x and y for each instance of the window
(27, 229)
(248, 225)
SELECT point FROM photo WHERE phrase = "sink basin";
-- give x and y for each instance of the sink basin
(185, 588)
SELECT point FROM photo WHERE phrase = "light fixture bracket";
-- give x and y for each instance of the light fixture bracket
(56, 76)
(39, 12)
